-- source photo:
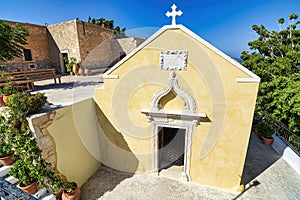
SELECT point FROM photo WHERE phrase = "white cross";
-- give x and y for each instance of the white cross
(174, 13)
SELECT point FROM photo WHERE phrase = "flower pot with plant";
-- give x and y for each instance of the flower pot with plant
(8, 90)
(24, 171)
(6, 147)
(72, 65)
(6, 153)
(70, 191)
(267, 131)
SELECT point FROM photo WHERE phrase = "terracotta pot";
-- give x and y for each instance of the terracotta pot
(75, 69)
(75, 195)
(81, 71)
(30, 189)
(5, 98)
(1, 101)
(7, 160)
(267, 141)
(87, 71)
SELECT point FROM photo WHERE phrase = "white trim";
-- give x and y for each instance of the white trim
(247, 80)
(106, 76)
(190, 104)
(196, 37)
(184, 119)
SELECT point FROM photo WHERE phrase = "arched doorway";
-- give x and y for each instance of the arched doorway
(172, 129)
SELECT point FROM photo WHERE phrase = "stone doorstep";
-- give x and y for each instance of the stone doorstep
(42, 194)
(173, 172)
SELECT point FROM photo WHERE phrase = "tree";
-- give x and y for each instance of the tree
(120, 33)
(276, 59)
(12, 40)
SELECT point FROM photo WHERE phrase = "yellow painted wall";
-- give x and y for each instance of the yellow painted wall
(75, 133)
(219, 146)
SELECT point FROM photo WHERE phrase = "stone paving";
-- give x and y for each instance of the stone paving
(266, 174)
(72, 89)
(275, 179)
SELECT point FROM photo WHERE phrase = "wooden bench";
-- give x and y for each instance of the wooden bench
(29, 77)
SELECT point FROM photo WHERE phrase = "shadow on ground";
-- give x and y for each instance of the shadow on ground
(259, 158)
(101, 181)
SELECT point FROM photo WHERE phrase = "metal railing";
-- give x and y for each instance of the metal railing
(282, 131)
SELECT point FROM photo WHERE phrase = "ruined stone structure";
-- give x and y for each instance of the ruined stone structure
(49, 44)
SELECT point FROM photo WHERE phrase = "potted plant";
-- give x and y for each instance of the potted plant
(8, 90)
(6, 153)
(30, 169)
(267, 131)
(23, 170)
(72, 65)
(6, 147)
(70, 191)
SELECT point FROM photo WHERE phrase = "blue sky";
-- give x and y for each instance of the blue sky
(225, 24)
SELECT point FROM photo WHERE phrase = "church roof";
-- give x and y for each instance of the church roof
(253, 77)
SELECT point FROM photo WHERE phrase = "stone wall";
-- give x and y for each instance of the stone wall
(38, 125)
(110, 51)
(90, 36)
(90, 44)
(65, 36)
(38, 43)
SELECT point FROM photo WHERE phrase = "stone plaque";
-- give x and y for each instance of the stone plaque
(173, 60)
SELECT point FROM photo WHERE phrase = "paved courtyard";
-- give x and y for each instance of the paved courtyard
(266, 174)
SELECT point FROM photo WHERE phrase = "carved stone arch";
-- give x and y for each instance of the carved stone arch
(173, 86)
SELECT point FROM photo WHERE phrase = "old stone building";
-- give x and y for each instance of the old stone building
(49, 44)
(36, 53)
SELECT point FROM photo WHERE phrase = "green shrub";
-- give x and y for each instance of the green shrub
(294, 140)
(5, 149)
(69, 187)
(9, 88)
(26, 103)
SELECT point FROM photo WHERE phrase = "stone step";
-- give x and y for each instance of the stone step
(173, 172)
(44, 194)
(12, 180)
(4, 170)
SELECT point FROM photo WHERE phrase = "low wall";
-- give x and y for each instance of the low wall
(68, 138)
(38, 125)
(287, 153)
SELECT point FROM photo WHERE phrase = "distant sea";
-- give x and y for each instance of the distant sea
(238, 59)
